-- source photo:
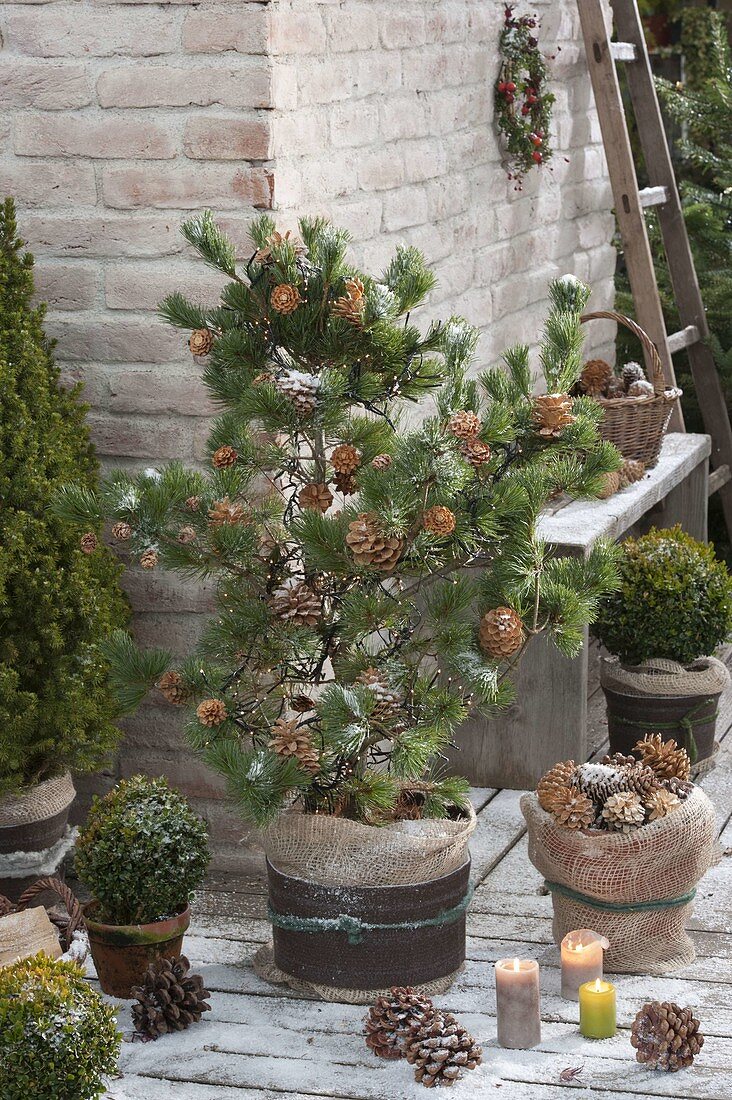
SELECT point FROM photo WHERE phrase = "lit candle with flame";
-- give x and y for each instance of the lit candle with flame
(582, 953)
(517, 1003)
(598, 1012)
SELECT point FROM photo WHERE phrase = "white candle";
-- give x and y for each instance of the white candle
(517, 1003)
(582, 955)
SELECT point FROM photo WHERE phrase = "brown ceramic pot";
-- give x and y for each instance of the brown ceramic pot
(122, 952)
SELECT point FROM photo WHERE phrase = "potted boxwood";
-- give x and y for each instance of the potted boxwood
(58, 1038)
(142, 854)
(59, 595)
(376, 583)
(671, 612)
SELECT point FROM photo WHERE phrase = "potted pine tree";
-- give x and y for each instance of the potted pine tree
(376, 582)
(59, 595)
(672, 610)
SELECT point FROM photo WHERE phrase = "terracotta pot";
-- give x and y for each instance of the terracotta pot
(122, 952)
(358, 957)
(36, 819)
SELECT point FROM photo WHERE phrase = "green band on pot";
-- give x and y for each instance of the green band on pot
(356, 929)
(617, 907)
(687, 723)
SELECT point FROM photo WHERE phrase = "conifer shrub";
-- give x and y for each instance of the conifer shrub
(57, 603)
(142, 852)
(58, 1038)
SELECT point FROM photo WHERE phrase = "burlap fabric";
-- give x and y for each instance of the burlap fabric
(658, 676)
(644, 876)
(37, 803)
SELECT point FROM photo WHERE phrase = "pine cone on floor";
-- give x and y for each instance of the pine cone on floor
(595, 376)
(441, 1050)
(464, 424)
(211, 712)
(632, 372)
(665, 757)
(388, 701)
(172, 687)
(501, 633)
(316, 495)
(610, 486)
(288, 740)
(223, 457)
(476, 452)
(169, 999)
(345, 458)
(557, 779)
(552, 413)
(439, 521)
(381, 462)
(624, 811)
(201, 341)
(660, 803)
(285, 298)
(225, 513)
(573, 809)
(301, 389)
(298, 604)
(370, 547)
(122, 531)
(666, 1036)
(350, 306)
(630, 472)
(394, 1019)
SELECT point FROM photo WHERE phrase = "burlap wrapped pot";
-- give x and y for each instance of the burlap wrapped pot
(635, 888)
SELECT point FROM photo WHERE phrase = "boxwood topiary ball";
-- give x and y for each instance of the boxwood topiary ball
(58, 1038)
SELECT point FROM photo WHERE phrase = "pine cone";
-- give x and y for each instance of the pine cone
(302, 703)
(476, 452)
(660, 803)
(193, 504)
(619, 760)
(641, 779)
(186, 534)
(642, 388)
(624, 811)
(611, 485)
(350, 306)
(439, 521)
(263, 255)
(122, 531)
(632, 372)
(88, 542)
(370, 547)
(285, 298)
(394, 1019)
(288, 740)
(464, 424)
(301, 389)
(501, 632)
(441, 1050)
(665, 757)
(595, 376)
(666, 1036)
(345, 483)
(170, 998)
(552, 413)
(615, 389)
(573, 809)
(381, 462)
(149, 558)
(630, 472)
(172, 687)
(682, 788)
(226, 513)
(388, 701)
(211, 712)
(298, 604)
(599, 781)
(201, 341)
(224, 457)
(559, 778)
(316, 495)
(345, 458)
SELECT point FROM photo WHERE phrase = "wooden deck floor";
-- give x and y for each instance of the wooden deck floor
(259, 1041)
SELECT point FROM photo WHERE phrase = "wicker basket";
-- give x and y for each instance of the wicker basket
(637, 425)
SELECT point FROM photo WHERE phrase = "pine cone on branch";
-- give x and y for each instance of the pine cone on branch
(350, 306)
(370, 547)
(665, 758)
(665, 1036)
(298, 604)
(225, 456)
(211, 712)
(559, 778)
(464, 424)
(122, 531)
(172, 687)
(301, 389)
(394, 1019)
(345, 483)
(169, 999)
(439, 521)
(501, 633)
(381, 462)
(345, 458)
(476, 452)
(552, 413)
(285, 298)
(88, 542)
(441, 1050)
(201, 341)
(316, 495)
(388, 701)
(288, 740)
(149, 558)
(227, 513)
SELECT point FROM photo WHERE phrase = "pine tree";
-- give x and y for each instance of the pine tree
(56, 602)
(375, 583)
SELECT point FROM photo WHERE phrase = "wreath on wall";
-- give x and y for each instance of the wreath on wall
(523, 104)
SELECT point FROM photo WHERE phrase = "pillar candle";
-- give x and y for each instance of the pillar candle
(597, 1010)
(517, 1003)
(582, 953)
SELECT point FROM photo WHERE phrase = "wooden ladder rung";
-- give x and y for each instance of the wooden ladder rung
(653, 196)
(718, 478)
(623, 51)
(684, 338)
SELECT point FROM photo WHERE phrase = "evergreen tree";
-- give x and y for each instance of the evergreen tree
(56, 601)
(375, 582)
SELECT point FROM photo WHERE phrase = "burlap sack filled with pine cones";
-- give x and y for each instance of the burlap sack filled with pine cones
(635, 888)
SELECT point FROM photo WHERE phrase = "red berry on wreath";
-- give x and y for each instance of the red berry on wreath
(510, 87)
(502, 86)
(536, 156)
(535, 139)
(525, 110)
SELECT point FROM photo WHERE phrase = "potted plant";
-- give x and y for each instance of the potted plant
(142, 854)
(376, 582)
(672, 610)
(58, 1038)
(59, 595)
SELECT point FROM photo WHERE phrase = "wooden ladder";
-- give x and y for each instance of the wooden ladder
(662, 193)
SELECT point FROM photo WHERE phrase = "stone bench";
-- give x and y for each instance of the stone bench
(548, 721)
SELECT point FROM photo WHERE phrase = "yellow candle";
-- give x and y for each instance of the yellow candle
(582, 953)
(517, 1003)
(598, 1014)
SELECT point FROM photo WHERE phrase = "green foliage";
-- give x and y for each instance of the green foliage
(56, 603)
(58, 1037)
(142, 853)
(674, 600)
(345, 708)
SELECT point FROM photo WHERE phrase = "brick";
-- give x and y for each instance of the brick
(242, 32)
(151, 439)
(61, 136)
(103, 235)
(297, 32)
(180, 631)
(352, 30)
(382, 169)
(406, 206)
(187, 188)
(113, 340)
(164, 86)
(354, 128)
(378, 73)
(304, 129)
(40, 84)
(34, 184)
(156, 393)
(142, 286)
(168, 593)
(216, 138)
(401, 117)
(66, 285)
(402, 28)
(60, 32)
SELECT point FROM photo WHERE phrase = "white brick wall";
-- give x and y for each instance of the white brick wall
(121, 117)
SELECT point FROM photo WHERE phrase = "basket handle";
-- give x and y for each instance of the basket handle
(73, 907)
(659, 383)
